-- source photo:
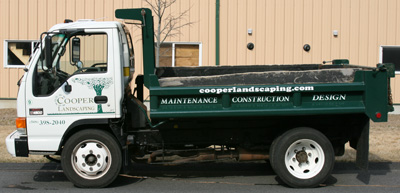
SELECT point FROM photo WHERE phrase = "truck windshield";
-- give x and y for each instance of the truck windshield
(92, 58)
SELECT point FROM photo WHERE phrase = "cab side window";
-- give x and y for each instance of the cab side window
(81, 53)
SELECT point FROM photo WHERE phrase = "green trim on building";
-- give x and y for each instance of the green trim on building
(217, 33)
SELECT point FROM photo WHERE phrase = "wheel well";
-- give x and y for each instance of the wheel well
(76, 127)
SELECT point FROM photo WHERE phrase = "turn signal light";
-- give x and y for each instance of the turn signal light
(20, 122)
(126, 71)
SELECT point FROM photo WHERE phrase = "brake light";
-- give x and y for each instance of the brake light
(20, 122)
(378, 115)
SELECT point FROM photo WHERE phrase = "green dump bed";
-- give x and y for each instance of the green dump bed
(270, 90)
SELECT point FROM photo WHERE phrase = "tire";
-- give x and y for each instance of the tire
(302, 157)
(272, 150)
(91, 159)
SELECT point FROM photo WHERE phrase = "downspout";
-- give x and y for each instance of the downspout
(217, 33)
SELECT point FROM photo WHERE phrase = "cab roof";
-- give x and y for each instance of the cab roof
(86, 24)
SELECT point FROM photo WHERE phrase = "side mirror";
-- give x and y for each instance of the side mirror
(76, 50)
(48, 52)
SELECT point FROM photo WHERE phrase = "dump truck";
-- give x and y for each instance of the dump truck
(78, 100)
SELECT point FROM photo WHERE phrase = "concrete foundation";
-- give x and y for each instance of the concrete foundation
(396, 109)
(8, 103)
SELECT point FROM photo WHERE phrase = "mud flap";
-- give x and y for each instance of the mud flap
(126, 163)
(21, 147)
(363, 148)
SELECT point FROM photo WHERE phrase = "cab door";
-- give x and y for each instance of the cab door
(78, 87)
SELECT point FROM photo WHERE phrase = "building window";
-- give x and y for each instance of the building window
(391, 54)
(17, 52)
(180, 54)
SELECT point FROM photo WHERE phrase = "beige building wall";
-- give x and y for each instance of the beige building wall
(27, 19)
(280, 28)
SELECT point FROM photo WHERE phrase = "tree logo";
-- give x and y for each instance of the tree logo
(98, 84)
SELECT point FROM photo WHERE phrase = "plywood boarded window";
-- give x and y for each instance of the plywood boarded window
(17, 52)
(166, 55)
(180, 54)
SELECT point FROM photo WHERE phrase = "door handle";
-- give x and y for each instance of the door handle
(100, 99)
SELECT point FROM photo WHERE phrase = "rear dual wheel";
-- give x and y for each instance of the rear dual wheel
(91, 159)
(302, 157)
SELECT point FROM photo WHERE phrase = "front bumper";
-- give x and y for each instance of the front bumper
(17, 144)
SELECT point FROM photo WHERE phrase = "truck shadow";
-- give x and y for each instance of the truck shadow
(140, 172)
(253, 169)
(208, 169)
(52, 172)
(374, 169)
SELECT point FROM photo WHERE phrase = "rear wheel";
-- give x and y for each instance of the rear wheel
(91, 159)
(302, 157)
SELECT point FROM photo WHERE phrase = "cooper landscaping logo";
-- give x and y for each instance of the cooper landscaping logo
(97, 84)
(84, 104)
(62, 100)
(65, 104)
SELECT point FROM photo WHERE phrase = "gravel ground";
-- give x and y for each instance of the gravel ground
(384, 140)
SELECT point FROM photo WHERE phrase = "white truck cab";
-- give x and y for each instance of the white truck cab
(79, 86)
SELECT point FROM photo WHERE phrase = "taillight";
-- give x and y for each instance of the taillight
(378, 115)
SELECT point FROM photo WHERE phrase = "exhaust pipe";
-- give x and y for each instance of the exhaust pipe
(211, 155)
(245, 155)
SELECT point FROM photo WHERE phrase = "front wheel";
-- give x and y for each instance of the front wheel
(302, 157)
(91, 158)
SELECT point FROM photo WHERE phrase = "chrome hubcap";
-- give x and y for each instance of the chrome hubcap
(91, 159)
(304, 158)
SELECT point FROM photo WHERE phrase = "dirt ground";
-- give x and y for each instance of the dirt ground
(384, 140)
